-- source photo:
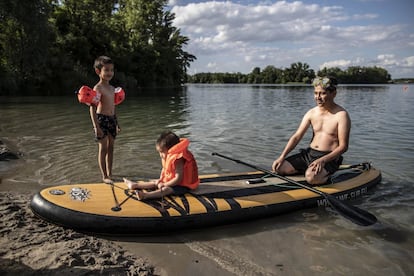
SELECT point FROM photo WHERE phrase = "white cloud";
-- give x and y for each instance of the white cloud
(364, 16)
(227, 21)
(212, 65)
(336, 63)
(226, 33)
(408, 62)
(386, 60)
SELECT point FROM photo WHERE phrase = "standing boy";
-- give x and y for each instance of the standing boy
(331, 127)
(103, 117)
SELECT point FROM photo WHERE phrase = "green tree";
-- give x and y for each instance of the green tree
(25, 40)
(335, 72)
(299, 72)
(156, 46)
(357, 74)
(255, 76)
(50, 45)
(84, 30)
(271, 74)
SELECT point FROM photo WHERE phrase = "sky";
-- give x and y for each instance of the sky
(237, 36)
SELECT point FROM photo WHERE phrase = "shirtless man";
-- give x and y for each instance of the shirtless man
(331, 128)
(103, 117)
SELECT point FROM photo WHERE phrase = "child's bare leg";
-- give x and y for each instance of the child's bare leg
(102, 153)
(154, 194)
(130, 184)
(109, 155)
(139, 184)
(140, 194)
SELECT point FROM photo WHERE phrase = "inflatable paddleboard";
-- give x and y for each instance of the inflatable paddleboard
(220, 199)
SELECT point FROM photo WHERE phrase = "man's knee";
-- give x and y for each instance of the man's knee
(316, 179)
(286, 169)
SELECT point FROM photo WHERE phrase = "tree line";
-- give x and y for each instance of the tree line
(297, 73)
(48, 47)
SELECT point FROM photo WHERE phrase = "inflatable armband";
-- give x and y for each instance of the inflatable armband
(119, 95)
(88, 96)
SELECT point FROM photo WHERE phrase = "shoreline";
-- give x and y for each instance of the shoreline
(8, 152)
(31, 246)
(10, 159)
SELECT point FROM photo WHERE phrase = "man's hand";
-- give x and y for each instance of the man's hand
(317, 165)
(276, 164)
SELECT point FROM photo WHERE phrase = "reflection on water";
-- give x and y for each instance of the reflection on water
(251, 123)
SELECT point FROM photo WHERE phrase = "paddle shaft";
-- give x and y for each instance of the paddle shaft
(272, 173)
(354, 214)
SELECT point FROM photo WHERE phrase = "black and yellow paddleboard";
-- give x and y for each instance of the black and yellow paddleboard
(220, 199)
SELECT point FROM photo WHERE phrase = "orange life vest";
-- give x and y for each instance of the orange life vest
(190, 175)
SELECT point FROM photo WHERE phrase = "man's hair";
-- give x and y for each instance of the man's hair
(167, 140)
(328, 83)
(101, 61)
(333, 84)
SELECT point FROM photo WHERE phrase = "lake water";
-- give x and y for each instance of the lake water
(251, 123)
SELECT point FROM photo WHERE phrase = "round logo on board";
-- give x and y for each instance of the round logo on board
(57, 192)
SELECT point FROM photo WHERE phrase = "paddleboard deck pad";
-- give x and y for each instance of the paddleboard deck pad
(220, 199)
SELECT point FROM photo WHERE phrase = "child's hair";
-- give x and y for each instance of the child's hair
(167, 140)
(101, 61)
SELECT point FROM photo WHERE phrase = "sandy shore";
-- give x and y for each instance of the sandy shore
(31, 246)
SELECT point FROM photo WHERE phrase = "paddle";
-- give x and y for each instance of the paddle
(352, 213)
(117, 207)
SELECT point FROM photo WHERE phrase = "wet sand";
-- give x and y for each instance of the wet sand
(30, 246)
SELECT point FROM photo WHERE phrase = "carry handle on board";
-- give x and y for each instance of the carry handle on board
(352, 213)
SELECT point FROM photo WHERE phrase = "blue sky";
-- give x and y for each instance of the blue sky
(237, 36)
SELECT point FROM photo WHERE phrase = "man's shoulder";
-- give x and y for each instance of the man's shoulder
(340, 110)
(313, 110)
(334, 109)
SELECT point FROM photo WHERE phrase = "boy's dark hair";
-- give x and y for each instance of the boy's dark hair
(101, 61)
(167, 140)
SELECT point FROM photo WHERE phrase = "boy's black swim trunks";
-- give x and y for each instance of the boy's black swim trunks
(108, 125)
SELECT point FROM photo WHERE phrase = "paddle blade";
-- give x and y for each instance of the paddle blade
(353, 213)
